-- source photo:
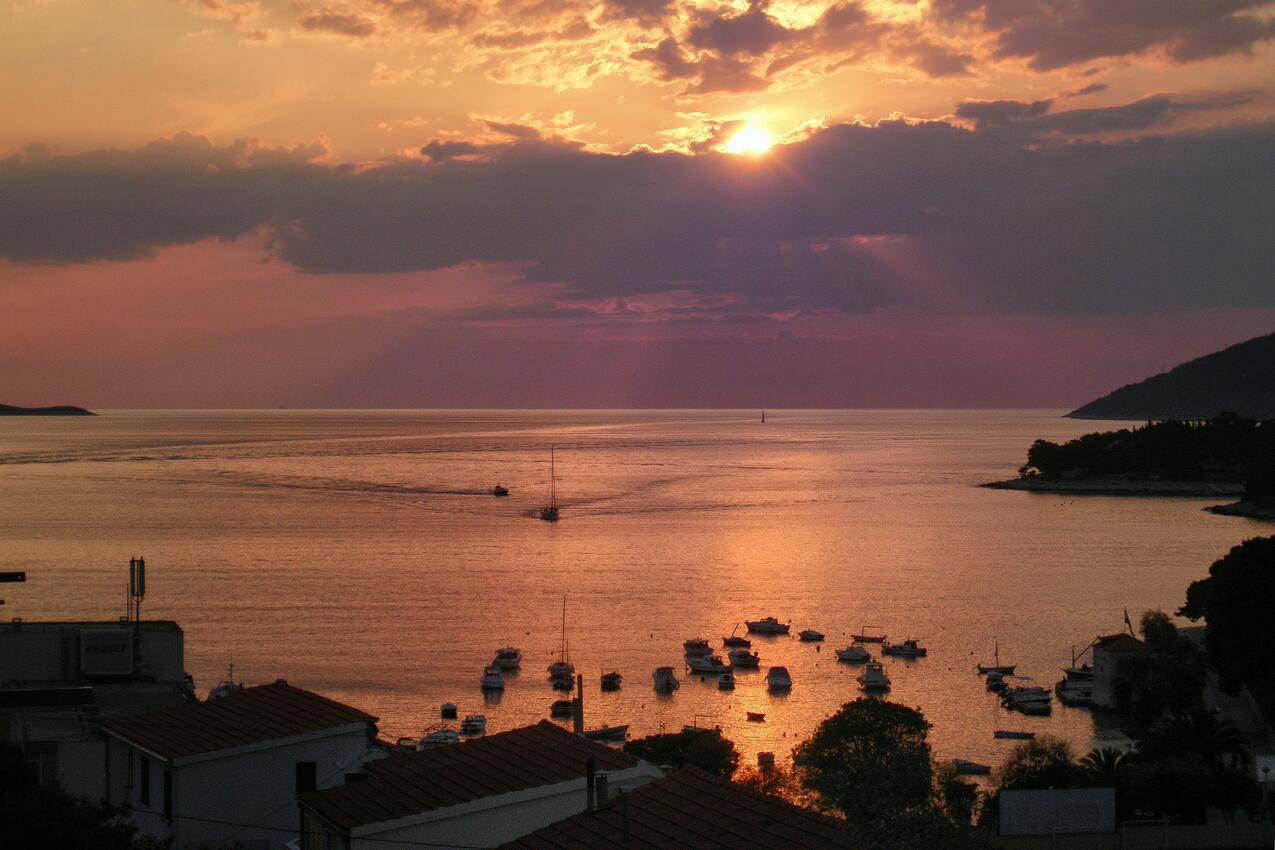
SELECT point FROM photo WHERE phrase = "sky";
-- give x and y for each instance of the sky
(628, 203)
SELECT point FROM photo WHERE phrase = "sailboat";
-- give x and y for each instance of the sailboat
(997, 667)
(549, 513)
(763, 417)
(562, 670)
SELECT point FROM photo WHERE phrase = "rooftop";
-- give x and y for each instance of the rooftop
(407, 784)
(693, 809)
(1120, 643)
(250, 716)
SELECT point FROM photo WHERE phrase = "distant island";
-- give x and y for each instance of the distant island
(1228, 455)
(1240, 379)
(59, 410)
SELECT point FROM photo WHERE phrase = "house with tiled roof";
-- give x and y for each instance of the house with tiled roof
(1108, 651)
(227, 772)
(477, 793)
(691, 810)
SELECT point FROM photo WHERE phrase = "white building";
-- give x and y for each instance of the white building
(59, 680)
(479, 793)
(226, 773)
(1107, 654)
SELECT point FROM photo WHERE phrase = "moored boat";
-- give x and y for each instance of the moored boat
(508, 658)
(499, 491)
(777, 679)
(448, 711)
(562, 708)
(865, 636)
(726, 682)
(492, 679)
(907, 649)
(742, 658)
(611, 681)
(665, 681)
(873, 677)
(735, 640)
(562, 669)
(756, 716)
(696, 646)
(810, 635)
(707, 664)
(853, 654)
(607, 733)
(996, 666)
(767, 626)
(549, 513)
(473, 725)
(440, 736)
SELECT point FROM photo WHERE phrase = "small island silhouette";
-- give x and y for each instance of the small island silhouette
(57, 410)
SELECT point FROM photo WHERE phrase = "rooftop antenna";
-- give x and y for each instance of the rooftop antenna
(136, 592)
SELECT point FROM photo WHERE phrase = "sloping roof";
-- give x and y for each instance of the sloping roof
(405, 784)
(692, 809)
(1121, 643)
(249, 716)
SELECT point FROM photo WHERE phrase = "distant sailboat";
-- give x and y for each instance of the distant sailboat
(549, 513)
(763, 417)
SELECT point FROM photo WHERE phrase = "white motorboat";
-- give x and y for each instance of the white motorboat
(996, 666)
(854, 654)
(665, 681)
(607, 733)
(508, 658)
(493, 679)
(707, 664)
(767, 626)
(810, 635)
(873, 677)
(866, 636)
(696, 646)
(726, 682)
(473, 725)
(439, 736)
(907, 649)
(742, 658)
(777, 679)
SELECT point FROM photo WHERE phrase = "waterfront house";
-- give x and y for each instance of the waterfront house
(227, 772)
(1107, 654)
(691, 810)
(477, 793)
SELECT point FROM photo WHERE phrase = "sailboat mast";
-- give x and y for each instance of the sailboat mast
(562, 647)
(553, 503)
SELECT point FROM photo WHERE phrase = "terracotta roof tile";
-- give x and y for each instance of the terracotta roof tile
(245, 717)
(406, 784)
(692, 810)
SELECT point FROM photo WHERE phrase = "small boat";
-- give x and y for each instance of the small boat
(853, 654)
(611, 681)
(996, 682)
(1011, 735)
(438, 737)
(607, 733)
(701, 730)
(508, 658)
(735, 640)
(226, 686)
(810, 635)
(563, 683)
(1034, 708)
(767, 626)
(448, 711)
(562, 708)
(777, 679)
(869, 637)
(907, 649)
(873, 677)
(473, 725)
(744, 659)
(726, 682)
(756, 716)
(696, 646)
(1084, 671)
(971, 768)
(562, 668)
(499, 491)
(1071, 692)
(549, 513)
(493, 679)
(996, 666)
(665, 681)
(710, 664)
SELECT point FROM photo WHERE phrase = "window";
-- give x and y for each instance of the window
(307, 776)
(128, 771)
(42, 758)
(144, 783)
(168, 795)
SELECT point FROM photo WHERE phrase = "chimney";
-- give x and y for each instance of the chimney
(590, 771)
(600, 790)
(577, 712)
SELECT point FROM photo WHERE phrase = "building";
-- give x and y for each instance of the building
(227, 772)
(478, 793)
(1107, 654)
(60, 680)
(691, 810)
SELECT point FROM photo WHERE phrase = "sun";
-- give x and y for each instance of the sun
(750, 139)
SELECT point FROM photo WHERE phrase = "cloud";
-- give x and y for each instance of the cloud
(939, 61)
(992, 111)
(1093, 88)
(1052, 34)
(430, 15)
(647, 12)
(853, 219)
(438, 150)
(337, 23)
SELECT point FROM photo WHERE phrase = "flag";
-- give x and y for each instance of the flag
(1127, 623)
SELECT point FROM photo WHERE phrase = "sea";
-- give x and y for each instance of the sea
(360, 554)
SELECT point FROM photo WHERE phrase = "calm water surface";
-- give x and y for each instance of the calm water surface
(357, 553)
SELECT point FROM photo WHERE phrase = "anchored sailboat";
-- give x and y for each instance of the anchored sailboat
(549, 513)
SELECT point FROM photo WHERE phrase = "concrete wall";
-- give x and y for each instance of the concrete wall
(252, 792)
(35, 653)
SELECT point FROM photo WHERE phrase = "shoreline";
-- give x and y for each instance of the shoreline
(1248, 510)
(1123, 487)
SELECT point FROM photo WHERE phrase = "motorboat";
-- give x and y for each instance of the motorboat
(810, 635)
(611, 681)
(735, 640)
(873, 677)
(742, 658)
(1084, 671)
(996, 666)
(493, 679)
(508, 658)
(767, 626)
(756, 716)
(866, 636)
(473, 725)
(562, 708)
(563, 683)
(1070, 692)
(665, 681)
(1013, 735)
(696, 646)
(227, 686)
(549, 513)
(996, 682)
(907, 649)
(1037, 708)
(707, 664)
(607, 733)
(499, 491)
(448, 711)
(853, 654)
(777, 679)
(440, 736)
(726, 682)
(693, 729)
(971, 768)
